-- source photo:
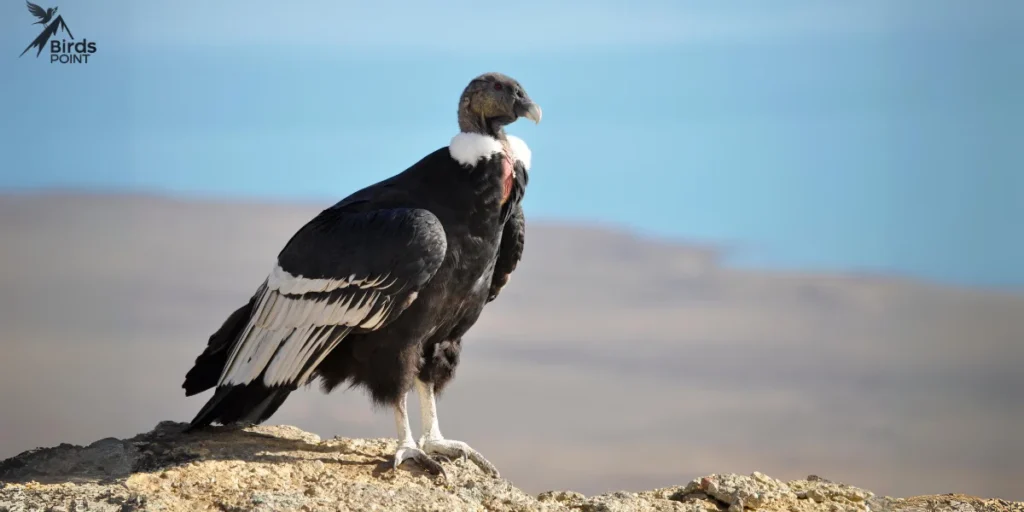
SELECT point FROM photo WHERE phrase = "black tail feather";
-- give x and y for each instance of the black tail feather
(206, 372)
(247, 404)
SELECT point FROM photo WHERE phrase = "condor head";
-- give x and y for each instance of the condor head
(493, 100)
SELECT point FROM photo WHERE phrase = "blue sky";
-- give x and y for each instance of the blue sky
(856, 136)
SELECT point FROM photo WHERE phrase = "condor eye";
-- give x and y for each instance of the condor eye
(497, 86)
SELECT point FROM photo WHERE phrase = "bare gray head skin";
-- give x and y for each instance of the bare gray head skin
(493, 100)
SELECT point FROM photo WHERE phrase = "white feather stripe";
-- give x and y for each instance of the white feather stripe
(248, 351)
(255, 342)
(265, 307)
(336, 316)
(232, 358)
(365, 308)
(236, 354)
(376, 283)
(279, 368)
(293, 356)
(290, 364)
(282, 281)
(278, 365)
(245, 351)
(288, 314)
(320, 339)
(283, 313)
(298, 312)
(318, 345)
(265, 343)
(374, 321)
(375, 317)
(306, 311)
(387, 314)
(242, 369)
(306, 343)
(292, 349)
(259, 345)
(330, 310)
(320, 357)
(285, 332)
(322, 316)
(357, 310)
(273, 309)
(325, 333)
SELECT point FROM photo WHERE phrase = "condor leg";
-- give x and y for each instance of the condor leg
(433, 442)
(407, 448)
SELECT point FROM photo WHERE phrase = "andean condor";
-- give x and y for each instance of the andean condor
(379, 289)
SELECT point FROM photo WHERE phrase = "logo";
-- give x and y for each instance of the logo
(62, 51)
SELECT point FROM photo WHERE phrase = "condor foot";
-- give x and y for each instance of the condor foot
(455, 449)
(405, 453)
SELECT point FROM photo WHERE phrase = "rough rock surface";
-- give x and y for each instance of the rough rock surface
(282, 468)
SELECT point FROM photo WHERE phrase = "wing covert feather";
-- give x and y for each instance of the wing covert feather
(343, 271)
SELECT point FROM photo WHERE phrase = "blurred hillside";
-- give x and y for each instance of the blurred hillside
(609, 362)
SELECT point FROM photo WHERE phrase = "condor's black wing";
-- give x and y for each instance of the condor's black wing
(343, 271)
(513, 240)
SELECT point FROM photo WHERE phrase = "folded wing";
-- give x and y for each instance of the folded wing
(513, 236)
(343, 271)
(513, 239)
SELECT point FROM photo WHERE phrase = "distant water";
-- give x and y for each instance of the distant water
(897, 155)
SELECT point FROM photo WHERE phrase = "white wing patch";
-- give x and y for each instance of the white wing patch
(285, 332)
(283, 281)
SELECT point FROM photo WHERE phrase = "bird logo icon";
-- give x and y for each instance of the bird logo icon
(38, 12)
(52, 25)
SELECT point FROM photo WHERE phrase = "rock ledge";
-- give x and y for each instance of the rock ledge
(282, 468)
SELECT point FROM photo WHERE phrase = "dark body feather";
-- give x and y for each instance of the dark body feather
(440, 354)
(429, 292)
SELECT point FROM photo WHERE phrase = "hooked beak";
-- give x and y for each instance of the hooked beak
(529, 110)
